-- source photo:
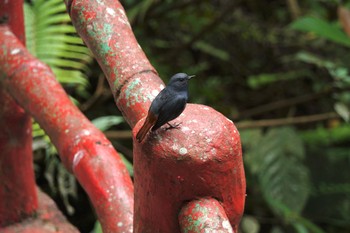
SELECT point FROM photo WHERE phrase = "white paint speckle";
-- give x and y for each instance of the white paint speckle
(161, 86)
(86, 132)
(119, 224)
(174, 147)
(77, 157)
(155, 93)
(205, 108)
(183, 151)
(185, 128)
(226, 225)
(66, 131)
(110, 11)
(15, 51)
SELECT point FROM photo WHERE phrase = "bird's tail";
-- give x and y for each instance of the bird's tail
(149, 122)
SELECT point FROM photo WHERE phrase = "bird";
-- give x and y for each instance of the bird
(168, 105)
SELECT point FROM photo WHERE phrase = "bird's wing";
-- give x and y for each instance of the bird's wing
(169, 111)
(159, 101)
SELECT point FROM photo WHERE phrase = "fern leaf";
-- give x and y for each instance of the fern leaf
(283, 179)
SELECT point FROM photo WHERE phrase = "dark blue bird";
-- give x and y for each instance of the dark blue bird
(167, 105)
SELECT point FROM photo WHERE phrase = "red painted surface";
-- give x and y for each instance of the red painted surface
(202, 158)
(204, 215)
(47, 220)
(105, 29)
(18, 198)
(11, 12)
(83, 149)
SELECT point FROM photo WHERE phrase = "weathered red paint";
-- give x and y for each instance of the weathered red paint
(83, 149)
(18, 198)
(11, 13)
(202, 158)
(204, 215)
(104, 27)
(47, 220)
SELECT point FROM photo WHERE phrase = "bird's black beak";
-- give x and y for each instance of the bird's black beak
(191, 76)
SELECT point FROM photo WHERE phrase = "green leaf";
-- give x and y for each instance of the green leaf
(105, 122)
(250, 224)
(211, 50)
(97, 228)
(327, 136)
(323, 29)
(128, 165)
(50, 37)
(342, 110)
(283, 179)
(258, 81)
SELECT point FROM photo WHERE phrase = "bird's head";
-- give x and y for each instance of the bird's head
(179, 80)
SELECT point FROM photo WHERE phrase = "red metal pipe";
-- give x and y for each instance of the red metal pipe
(82, 147)
(18, 197)
(48, 219)
(202, 158)
(104, 27)
(204, 215)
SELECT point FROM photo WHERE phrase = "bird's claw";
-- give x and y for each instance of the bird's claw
(174, 126)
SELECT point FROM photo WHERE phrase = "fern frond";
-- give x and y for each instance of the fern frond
(50, 37)
(276, 159)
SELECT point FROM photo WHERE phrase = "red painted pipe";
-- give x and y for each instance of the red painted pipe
(105, 29)
(202, 158)
(18, 197)
(204, 215)
(172, 167)
(82, 147)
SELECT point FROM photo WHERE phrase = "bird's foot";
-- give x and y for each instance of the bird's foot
(174, 126)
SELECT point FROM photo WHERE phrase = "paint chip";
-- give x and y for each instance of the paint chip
(226, 225)
(77, 157)
(185, 128)
(111, 11)
(15, 51)
(183, 151)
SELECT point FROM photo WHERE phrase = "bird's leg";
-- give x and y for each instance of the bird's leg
(174, 126)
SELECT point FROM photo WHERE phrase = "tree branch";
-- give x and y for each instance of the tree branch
(287, 121)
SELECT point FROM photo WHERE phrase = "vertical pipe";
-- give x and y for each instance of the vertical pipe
(201, 158)
(18, 197)
(83, 149)
(204, 215)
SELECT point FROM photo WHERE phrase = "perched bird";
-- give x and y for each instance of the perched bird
(167, 105)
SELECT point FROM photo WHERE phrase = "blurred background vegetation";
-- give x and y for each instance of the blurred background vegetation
(278, 68)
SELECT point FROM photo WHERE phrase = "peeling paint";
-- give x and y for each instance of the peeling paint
(76, 158)
(183, 151)
(15, 51)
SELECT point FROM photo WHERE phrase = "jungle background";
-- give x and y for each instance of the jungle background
(278, 68)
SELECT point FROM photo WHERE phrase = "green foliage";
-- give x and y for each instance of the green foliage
(323, 29)
(324, 136)
(51, 38)
(276, 159)
(246, 55)
(105, 122)
(97, 228)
